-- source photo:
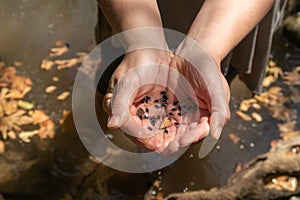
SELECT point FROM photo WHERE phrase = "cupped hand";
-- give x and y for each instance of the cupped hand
(137, 82)
(211, 95)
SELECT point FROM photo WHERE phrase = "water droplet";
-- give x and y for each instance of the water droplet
(251, 144)
(218, 147)
(153, 192)
(191, 156)
(185, 189)
(51, 25)
(160, 189)
(159, 173)
(242, 146)
(109, 136)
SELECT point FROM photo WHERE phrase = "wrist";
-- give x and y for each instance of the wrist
(143, 38)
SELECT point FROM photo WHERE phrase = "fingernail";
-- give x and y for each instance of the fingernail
(217, 132)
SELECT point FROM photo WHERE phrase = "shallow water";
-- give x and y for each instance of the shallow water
(28, 31)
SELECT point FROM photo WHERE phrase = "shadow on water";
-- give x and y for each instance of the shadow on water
(52, 168)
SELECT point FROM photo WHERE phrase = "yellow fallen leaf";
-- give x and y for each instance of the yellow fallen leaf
(50, 89)
(10, 107)
(256, 106)
(55, 79)
(235, 139)
(268, 81)
(244, 116)
(58, 51)
(257, 117)
(2, 147)
(244, 106)
(63, 96)
(25, 105)
(64, 116)
(38, 116)
(46, 129)
(12, 135)
(18, 63)
(47, 64)
(26, 135)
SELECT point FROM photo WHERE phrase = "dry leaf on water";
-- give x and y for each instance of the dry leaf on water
(283, 183)
(235, 139)
(25, 105)
(46, 129)
(244, 116)
(58, 51)
(55, 79)
(2, 147)
(50, 89)
(47, 64)
(257, 117)
(26, 136)
(64, 116)
(63, 96)
(38, 116)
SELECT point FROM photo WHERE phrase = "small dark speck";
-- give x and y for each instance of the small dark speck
(176, 123)
(166, 131)
(163, 92)
(156, 101)
(150, 128)
(175, 103)
(147, 110)
(180, 113)
(147, 97)
(171, 113)
(174, 109)
(141, 117)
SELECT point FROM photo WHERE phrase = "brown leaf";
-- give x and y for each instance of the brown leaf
(10, 107)
(2, 147)
(64, 116)
(244, 116)
(25, 105)
(58, 51)
(289, 135)
(235, 139)
(46, 129)
(47, 64)
(257, 117)
(26, 135)
(39, 116)
(50, 89)
(63, 96)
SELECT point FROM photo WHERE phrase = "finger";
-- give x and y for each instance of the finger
(202, 129)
